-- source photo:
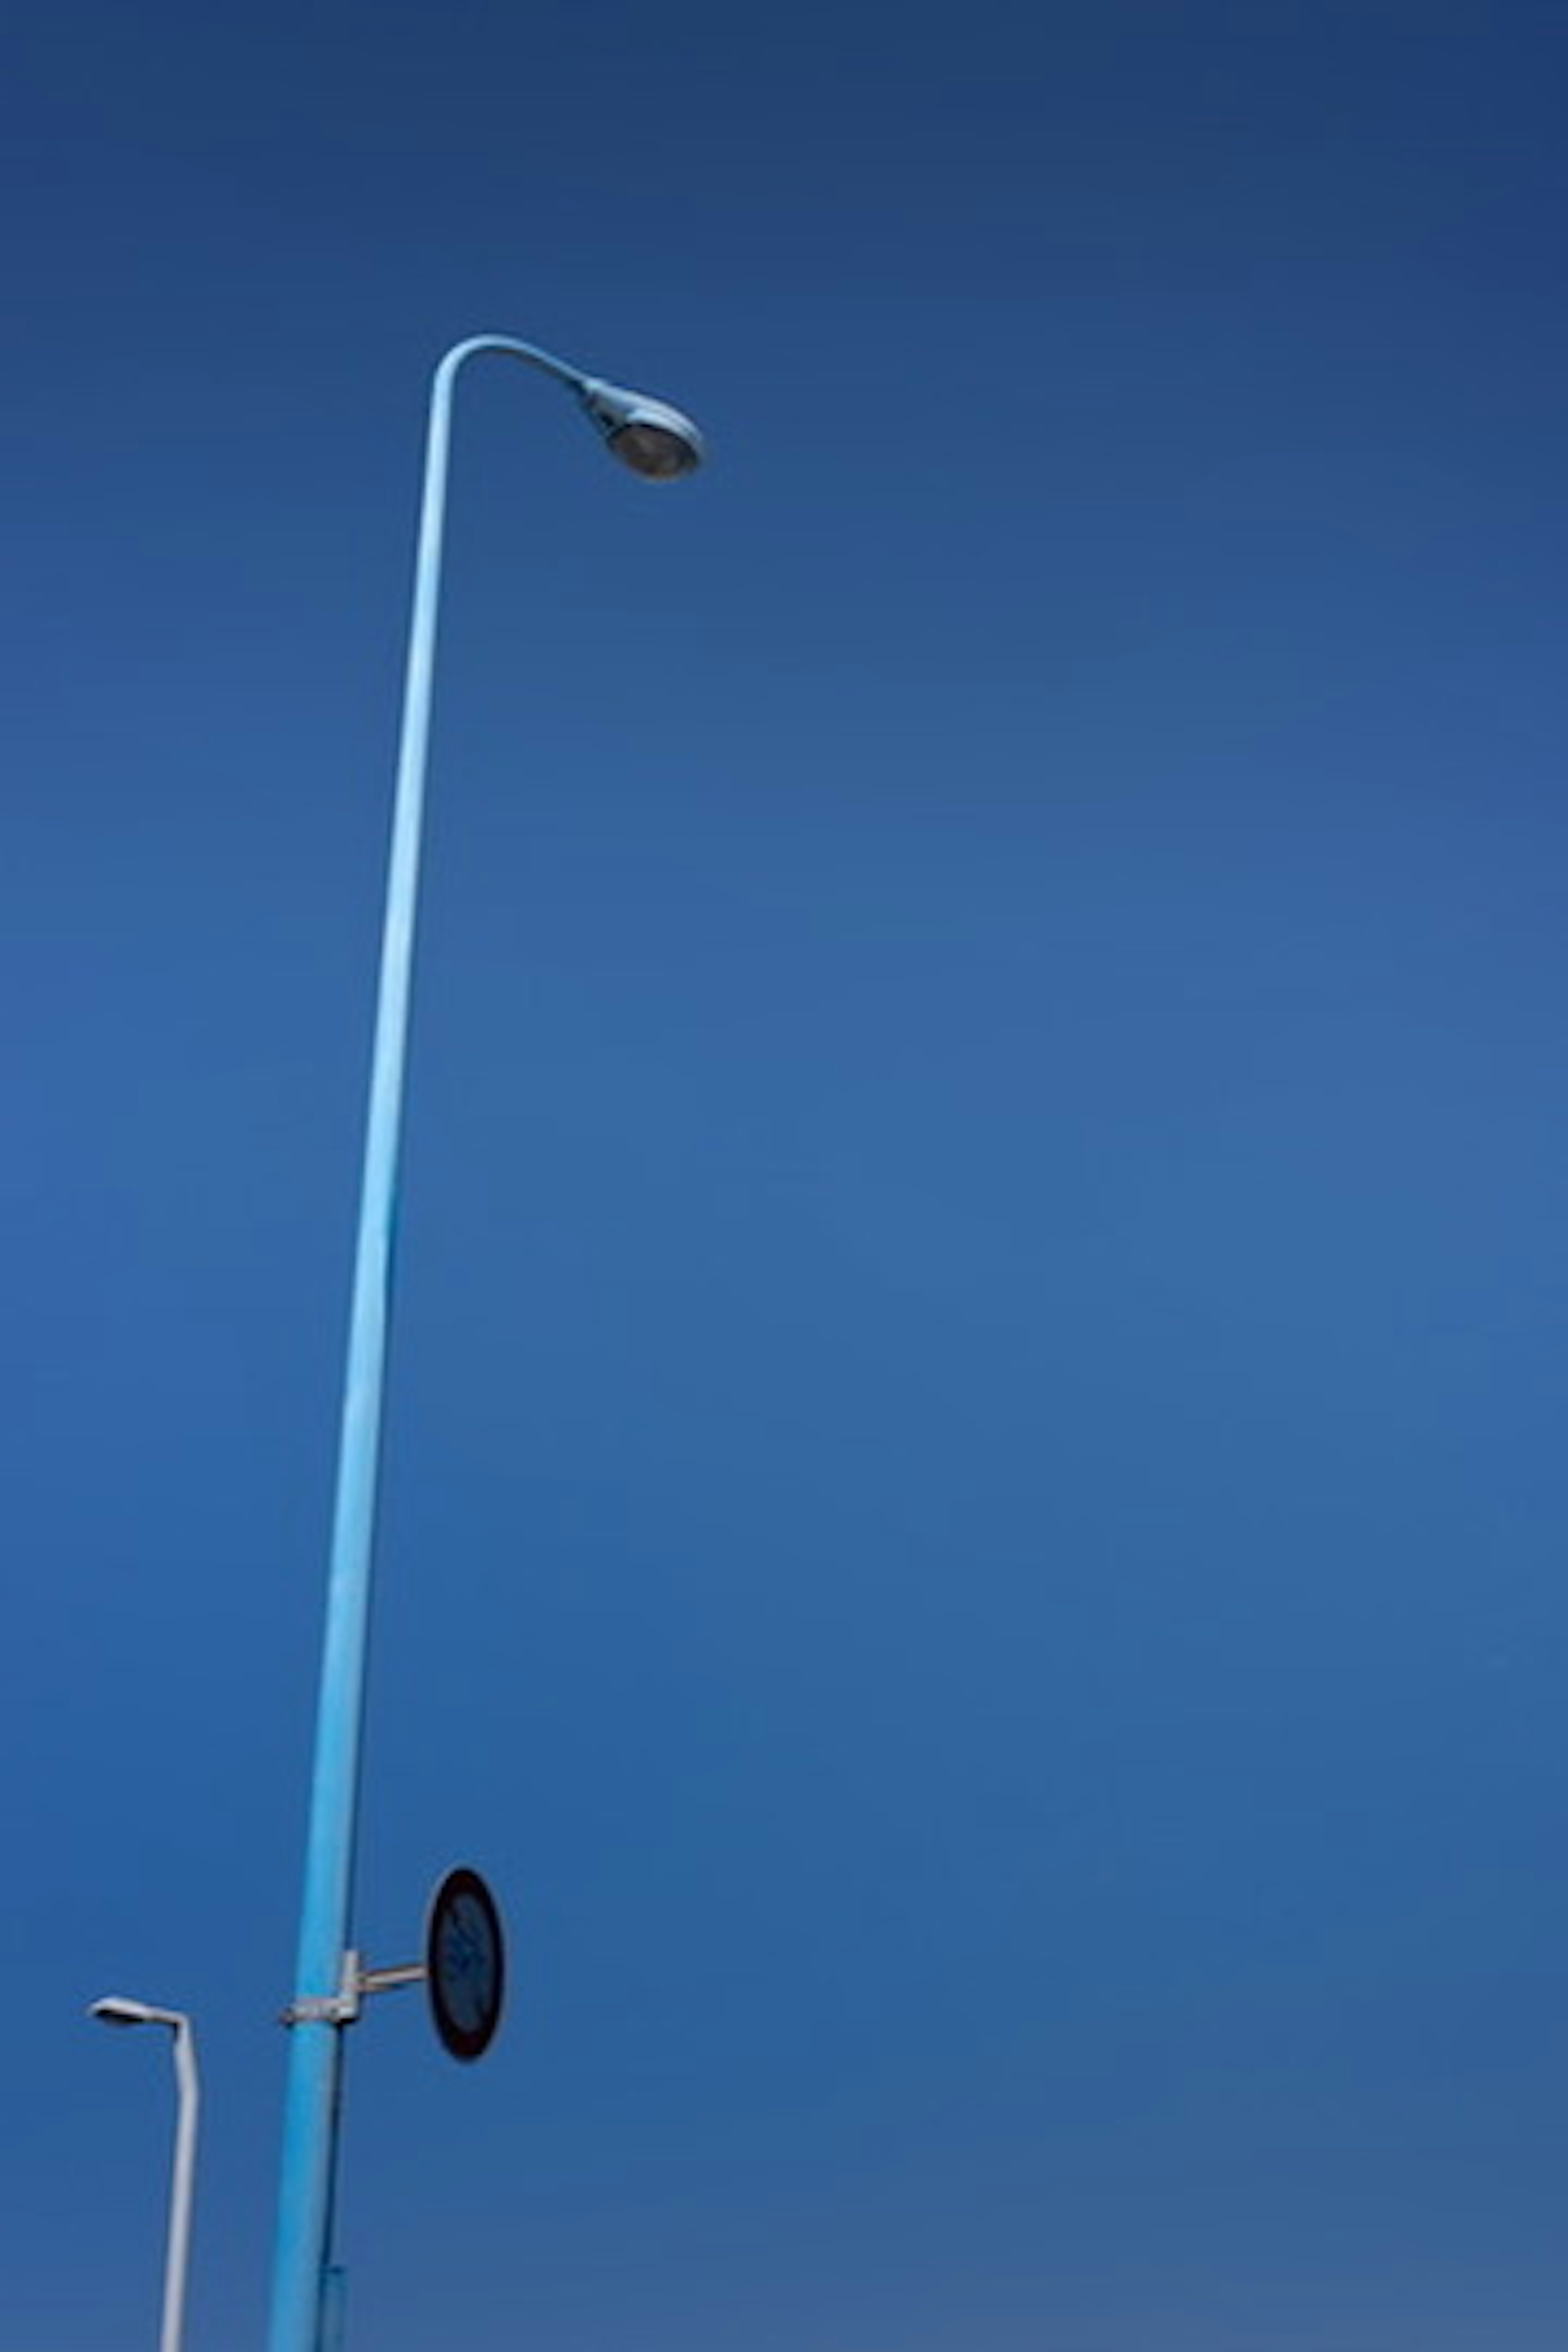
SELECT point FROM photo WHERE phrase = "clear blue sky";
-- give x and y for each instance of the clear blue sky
(974, 1525)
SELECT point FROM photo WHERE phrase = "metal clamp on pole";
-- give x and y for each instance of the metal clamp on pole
(343, 2007)
(340, 2008)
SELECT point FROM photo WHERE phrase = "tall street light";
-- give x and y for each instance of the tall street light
(661, 444)
(114, 2009)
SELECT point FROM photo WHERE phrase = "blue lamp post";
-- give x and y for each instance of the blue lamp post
(661, 445)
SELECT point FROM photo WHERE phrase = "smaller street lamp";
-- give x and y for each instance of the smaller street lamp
(115, 2010)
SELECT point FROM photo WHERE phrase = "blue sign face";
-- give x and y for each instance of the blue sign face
(465, 1963)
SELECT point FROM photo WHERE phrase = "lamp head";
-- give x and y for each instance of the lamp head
(113, 2010)
(654, 439)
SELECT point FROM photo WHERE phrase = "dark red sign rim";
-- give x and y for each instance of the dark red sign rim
(464, 2042)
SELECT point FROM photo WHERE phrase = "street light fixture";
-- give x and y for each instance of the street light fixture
(654, 439)
(115, 2010)
(661, 444)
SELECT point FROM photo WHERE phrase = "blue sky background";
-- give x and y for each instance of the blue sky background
(974, 1524)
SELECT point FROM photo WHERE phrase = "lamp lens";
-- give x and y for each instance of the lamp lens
(653, 450)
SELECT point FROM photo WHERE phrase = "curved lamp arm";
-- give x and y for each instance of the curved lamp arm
(655, 440)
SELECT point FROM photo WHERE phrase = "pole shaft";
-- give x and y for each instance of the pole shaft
(315, 2057)
(314, 2090)
(176, 2267)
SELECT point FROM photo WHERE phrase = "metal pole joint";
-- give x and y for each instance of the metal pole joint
(343, 2007)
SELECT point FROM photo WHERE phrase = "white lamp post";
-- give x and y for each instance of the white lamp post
(113, 2010)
